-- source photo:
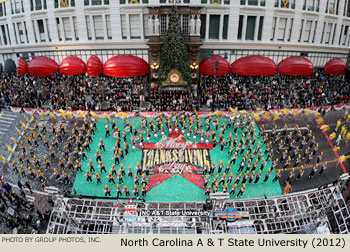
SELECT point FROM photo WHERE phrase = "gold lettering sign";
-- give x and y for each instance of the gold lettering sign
(158, 157)
(174, 78)
(285, 3)
(64, 3)
(133, 2)
(215, 1)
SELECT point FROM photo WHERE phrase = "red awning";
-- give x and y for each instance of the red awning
(94, 66)
(42, 66)
(21, 66)
(72, 65)
(254, 65)
(296, 65)
(125, 66)
(207, 66)
(335, 66)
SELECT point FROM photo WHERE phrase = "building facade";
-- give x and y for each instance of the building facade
(316, 29)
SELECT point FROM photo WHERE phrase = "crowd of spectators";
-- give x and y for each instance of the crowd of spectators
(17, 213)
(127, 94)
(72, 92)
(165, 100)
(275, 92)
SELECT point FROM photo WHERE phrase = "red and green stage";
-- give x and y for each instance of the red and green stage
(171, 181)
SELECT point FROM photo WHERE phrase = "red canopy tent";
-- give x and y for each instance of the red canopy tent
(254, 65)
(125, 66)
(207, 66)
(21, 66)
(42, 66)
(94, 66)
(296, 65)
(72, 65)
(335, 66)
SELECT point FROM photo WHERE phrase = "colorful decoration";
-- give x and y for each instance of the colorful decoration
(263, 66)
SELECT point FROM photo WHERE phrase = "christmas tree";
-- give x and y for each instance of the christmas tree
(174, 51)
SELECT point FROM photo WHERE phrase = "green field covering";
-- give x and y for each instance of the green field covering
(176, 188)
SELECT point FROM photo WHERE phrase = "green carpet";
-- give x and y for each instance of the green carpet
(175, 188)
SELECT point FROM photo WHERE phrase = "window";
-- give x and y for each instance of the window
(95, 2)
(98, 27)
(335, 28)
(88, 27)
(41, 29)
(314, 35)
(261, 25)
(347, 8)
(3, 31)
(323, 32)
(145, 25)
(345, 34)
(285, 4)
(108, 26)
(185, 21)
(250, 30)
(328, 33)
(38, 5)
(18, 6)
(214, 26)
(64, 3)
(272, 37)
(281, 29)
(203, 25)
(67, 28)
(341, 34)
(59, 29)
(290, 29)
(34, 30)
(163, 24)
(253, 2)
(14, 29)
(47, 29)
(240, 27)
(75, 24)
(8, 34)
(332, 7)
(26, 32)
(301, 29)
(2, 10)
(134, 22)
(123, 26)
(307, 30)
(311, 5)
(225, 28)
(21, 32)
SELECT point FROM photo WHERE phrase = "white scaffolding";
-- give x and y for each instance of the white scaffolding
(313, 211)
